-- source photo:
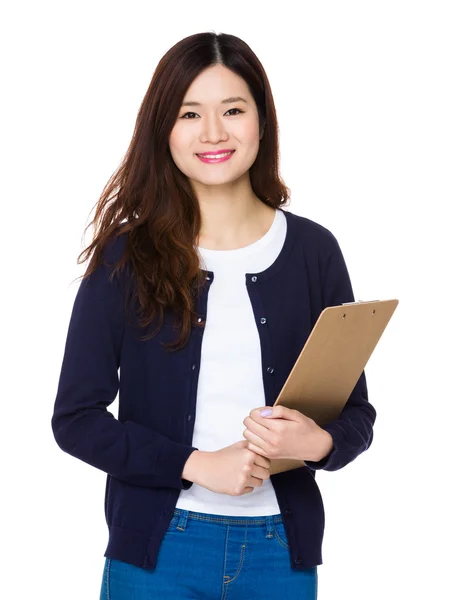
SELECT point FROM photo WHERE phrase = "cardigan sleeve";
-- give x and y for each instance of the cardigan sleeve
(89, 383)
(352, 431)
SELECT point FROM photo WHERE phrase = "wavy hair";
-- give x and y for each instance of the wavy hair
(151, 201)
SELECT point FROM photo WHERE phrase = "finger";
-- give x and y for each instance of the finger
(260, 473)
(256, 440)
(258, 450)
(256, 419)
(258, 428)
(262, 461)
(279, 412)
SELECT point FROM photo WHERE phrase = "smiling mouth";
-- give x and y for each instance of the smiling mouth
(216, 156)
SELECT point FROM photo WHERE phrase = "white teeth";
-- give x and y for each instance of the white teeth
(215, 155)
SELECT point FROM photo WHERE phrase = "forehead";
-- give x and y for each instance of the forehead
(215, 84)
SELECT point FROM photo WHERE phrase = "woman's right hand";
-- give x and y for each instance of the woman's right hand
(233, 470)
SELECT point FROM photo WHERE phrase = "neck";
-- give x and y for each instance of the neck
(227, 227)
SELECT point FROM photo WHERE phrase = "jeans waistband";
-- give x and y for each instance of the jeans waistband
(228, 520)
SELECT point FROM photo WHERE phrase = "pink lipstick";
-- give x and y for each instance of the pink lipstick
(216, 156)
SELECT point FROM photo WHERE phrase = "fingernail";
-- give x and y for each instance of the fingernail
(266, 412)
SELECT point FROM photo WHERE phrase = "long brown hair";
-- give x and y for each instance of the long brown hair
(151, 201)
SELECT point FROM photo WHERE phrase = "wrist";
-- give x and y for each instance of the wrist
(325, 446)
(193, 466)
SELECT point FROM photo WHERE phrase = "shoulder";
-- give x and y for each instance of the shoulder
(115, 246)
(314, 236)
(107, 269)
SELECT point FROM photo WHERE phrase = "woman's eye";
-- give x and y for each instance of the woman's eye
(239, 111)
(192, 113)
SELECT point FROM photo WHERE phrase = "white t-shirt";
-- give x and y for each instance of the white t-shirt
(230, 381)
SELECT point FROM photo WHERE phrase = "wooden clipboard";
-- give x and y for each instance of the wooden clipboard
(331, 362)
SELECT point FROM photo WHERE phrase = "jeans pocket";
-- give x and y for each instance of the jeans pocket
(280, 535)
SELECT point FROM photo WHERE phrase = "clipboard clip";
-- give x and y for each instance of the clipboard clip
(359, 302)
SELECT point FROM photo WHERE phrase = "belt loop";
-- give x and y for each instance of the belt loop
(183, 519)
(269, 526)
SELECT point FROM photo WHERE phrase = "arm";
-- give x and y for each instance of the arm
(88, 384)
(352, 431)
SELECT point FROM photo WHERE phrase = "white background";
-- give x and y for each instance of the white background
(367, 99)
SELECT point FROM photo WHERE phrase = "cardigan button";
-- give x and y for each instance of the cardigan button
(288, 511)
(298, 561)
(254, 278)
(270, 370)
(262, 320)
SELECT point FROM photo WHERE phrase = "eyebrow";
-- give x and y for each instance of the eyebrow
(226, 101)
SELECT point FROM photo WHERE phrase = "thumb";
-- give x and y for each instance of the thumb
(278, 412)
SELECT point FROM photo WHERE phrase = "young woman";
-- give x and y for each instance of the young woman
(202, 291)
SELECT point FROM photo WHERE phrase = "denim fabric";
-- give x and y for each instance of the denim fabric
(214, 557)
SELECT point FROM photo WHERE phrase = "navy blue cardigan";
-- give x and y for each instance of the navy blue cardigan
(145, 449)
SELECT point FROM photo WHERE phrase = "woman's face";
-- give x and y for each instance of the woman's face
(211, 123)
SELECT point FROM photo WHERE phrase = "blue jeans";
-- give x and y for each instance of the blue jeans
(214, 557)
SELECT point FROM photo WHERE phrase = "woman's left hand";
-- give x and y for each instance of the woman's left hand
(286, 433)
